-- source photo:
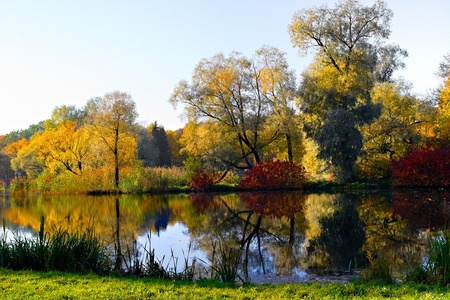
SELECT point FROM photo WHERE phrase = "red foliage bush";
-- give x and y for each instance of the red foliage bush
(202, 180)
(273, 176)
(424, 167)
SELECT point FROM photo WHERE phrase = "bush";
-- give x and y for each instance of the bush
(273, 176)
(424, 167)
(379, 270)
(22, 185)
(202, 180)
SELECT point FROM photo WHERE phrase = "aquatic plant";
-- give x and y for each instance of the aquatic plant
(224, 263)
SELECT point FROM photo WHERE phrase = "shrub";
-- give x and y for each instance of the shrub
(424, 167)
(274, 175)
(22, 185)
(379, 270)
(202, 180)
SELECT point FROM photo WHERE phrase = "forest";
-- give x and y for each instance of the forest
(346, 118)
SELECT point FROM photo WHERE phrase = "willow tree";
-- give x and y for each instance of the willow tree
(349, 57)
(279, 87)
(112, 122)
(235, 92)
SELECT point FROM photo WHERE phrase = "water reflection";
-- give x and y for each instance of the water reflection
(278, 233)
(342, 236)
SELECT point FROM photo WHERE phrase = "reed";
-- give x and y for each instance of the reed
(224, 263)
(438, 262)
(378, 270)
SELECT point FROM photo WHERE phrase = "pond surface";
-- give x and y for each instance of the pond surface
(283, 236)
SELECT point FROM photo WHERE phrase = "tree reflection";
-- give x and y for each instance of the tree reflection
(276, 231)
(342, 234)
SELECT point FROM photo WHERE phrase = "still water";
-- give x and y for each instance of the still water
(281, 234)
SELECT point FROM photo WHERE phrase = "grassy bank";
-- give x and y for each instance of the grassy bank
(54, 285)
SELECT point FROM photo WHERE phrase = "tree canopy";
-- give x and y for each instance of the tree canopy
(349, 57)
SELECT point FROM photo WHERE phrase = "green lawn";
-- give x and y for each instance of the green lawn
(54, 285)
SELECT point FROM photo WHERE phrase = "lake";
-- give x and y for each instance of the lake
(287, 236)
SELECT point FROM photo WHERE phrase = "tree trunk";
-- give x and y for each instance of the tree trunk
(289, 148)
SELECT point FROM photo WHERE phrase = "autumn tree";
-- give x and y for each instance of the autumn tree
(350, 57)
(173, 138)
(17, 135)
(66, 113)
(239, 93)
(219, 151)
(64, 147)
(442, 128)
(112, 122)
(403, 124)
(278, 85)
(24, 158)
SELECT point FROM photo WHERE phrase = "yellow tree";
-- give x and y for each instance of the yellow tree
(218, 151)
(442, 129)
(278, 85)
(63, 147)
(174, 142)
(240, 94)
(112, 123)
(403, 124)
(20, 156)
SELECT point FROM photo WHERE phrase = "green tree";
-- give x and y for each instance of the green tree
(164, 153)
(146, 147)
(112, 123)
(335, 91)
(5, 163)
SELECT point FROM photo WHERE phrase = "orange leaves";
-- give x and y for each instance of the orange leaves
(12, 149)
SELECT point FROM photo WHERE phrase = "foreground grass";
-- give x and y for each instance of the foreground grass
(55, 285)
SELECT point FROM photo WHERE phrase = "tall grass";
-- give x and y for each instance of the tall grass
(148, 180)
(101, 180)
(61, 251)
(438, 262)
(436, 268)
(83, 252)
(378, 270)
(224, 263)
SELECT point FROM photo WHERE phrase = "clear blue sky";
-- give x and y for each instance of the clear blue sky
(55, 53)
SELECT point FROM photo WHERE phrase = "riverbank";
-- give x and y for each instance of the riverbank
(55, 285)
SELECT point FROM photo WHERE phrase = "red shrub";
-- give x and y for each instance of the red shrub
(202, 180)
(425, 167)
(274, 175)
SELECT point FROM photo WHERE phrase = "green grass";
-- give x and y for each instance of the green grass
(55, 285)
